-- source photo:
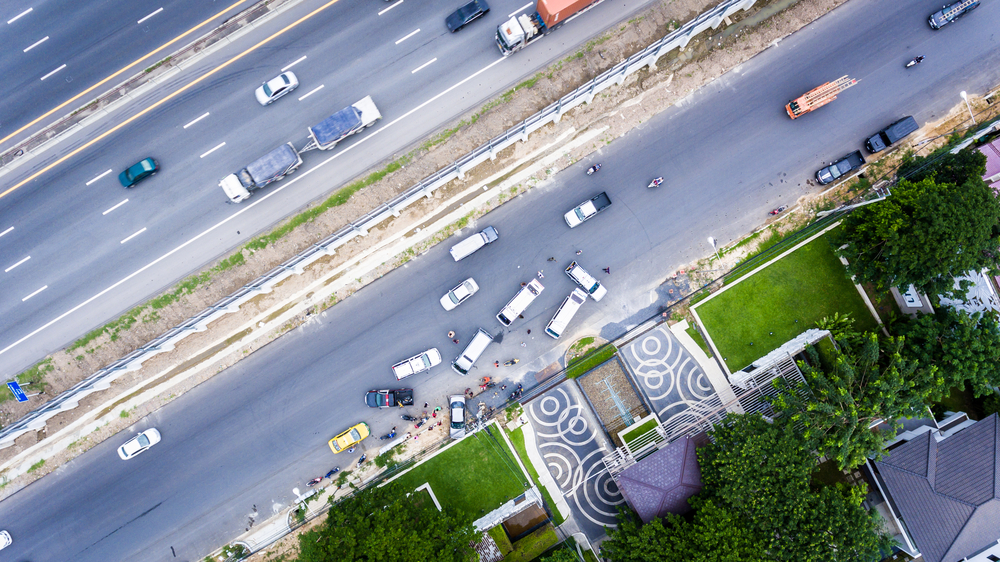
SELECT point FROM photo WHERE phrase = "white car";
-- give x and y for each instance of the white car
(417, 364)
(273, 89)
(457, 403)
(5, 539)
(459, 294)
(139, 443)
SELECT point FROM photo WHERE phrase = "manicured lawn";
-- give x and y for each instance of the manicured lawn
(517, 438)
(500, 537)
(768, 308)
(475, 477)
(583, 364)
(636, 432)
(532, 545)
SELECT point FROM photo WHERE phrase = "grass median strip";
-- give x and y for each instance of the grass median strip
(581, 365)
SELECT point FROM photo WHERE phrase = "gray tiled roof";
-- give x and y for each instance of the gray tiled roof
(662, 482)
(947, 492)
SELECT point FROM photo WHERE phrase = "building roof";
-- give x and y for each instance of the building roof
(947, 491)
(662, 482)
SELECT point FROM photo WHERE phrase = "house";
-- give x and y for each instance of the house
(941, 486)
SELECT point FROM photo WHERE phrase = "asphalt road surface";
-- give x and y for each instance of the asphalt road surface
(255, 433)
(77, 249)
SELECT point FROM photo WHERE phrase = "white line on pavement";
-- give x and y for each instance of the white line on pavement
(311, 92)
(426, 64)
(6, 231)
(150, 15)
(390, 7)
(295, 62)
(133, 236)
(514, 13)
(115, 207)
(35, 293)
(98, 177)
(196, 120)
(408, 36)
(37, 43)
(53, 72)
(220, 145)
(271, 193)
(19, 16)
(16, 264)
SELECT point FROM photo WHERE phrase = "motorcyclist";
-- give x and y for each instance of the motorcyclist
(593, 169)
(657, 181)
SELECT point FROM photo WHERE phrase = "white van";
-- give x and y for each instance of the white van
(466, 247)
(587, 281)
(565, 313)
(521, 300)
(464, 362)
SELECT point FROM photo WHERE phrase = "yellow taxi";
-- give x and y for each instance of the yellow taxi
(350, 437)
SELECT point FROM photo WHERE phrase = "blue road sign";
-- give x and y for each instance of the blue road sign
(18, 393)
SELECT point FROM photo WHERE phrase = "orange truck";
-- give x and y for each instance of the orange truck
(818, 97)
(519, 31)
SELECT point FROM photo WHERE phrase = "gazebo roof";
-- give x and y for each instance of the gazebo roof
(662, 482)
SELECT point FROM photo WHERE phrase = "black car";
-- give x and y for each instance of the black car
(466, 15)
(951, 12)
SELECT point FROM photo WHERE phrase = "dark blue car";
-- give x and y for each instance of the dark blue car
(466, 15)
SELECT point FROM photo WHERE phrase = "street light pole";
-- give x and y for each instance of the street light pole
(714, 247)
(966, 98)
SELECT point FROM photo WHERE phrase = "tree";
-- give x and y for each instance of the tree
(874, 382)
(925, 234)
(384, 524)
(565, 553)
(758, 503)
(950, 168)
(962, 348)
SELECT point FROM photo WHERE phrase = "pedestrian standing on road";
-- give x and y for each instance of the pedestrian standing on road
(540, 276)
(552, 259)
(451, 334)
(496, 364)
(607, 270)
(455, 340)
(529, 331)
(578, 252)
(523, 283)
(425, 404)
(524, 344)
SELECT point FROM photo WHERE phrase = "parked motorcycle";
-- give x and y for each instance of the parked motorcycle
(510, 362)
(333, 471)
(361, 460)
(314, 481)
(389, 435)
(778, 210)
(405, 417)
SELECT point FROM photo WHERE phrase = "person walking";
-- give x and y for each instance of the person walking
(607, 270)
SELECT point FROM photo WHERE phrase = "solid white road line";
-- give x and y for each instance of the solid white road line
(196, 120)
(426, 64)
(220, 145)
(115, 207)
(514, 13)
(16, 264)
(150, 15)
(390, 7)
(133, 236)
(293, 63)
(260, 200)
(53, 72)
(311, 92)
(98, 177)
(19, 16)
(6, 231)
(397, 42)
(37, 43)
(35, 293)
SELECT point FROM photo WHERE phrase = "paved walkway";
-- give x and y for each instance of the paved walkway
(572, 444)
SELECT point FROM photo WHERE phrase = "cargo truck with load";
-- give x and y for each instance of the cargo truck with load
(519, 31)
(343, 124)
(587, 209)
(268, 168)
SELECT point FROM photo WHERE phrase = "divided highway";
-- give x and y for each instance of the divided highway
(76, 249)
(254, 434)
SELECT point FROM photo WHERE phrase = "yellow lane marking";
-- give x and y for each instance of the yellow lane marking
(137, 61)
(171, 96)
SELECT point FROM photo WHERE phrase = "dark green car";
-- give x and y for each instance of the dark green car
(138, 172)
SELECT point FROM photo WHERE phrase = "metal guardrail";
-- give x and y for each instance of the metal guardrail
(615, 76)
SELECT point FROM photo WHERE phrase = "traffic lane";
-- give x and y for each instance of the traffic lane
(93, 41)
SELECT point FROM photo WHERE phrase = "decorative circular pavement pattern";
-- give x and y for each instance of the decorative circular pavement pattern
(673, 382)
(572, 444)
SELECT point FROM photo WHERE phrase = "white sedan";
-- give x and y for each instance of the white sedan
(459, 294)
(139, 443)
(5, 539)
(273, 89)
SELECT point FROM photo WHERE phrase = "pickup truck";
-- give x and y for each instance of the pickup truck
(389, 398)
(417, 364)
(586, 281)
(841, 167)
(587, 209)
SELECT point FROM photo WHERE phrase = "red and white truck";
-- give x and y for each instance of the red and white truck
(519, 31)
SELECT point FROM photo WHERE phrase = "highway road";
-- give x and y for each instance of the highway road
(58, 49)
(77, 249)
(255, 433)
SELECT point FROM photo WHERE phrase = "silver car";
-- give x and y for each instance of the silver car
(273, 89)
(138, 444)
(457, 403)
(459, 294)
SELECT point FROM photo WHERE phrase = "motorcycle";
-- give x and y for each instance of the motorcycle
(420, 423)
(389, 435)
(333, 471)
(517, 393)
(510, 362)
(914, 61)
(592, 169)
(656, 182)
(405, 417)
(314, 481)
(361, 460)
(778, 210)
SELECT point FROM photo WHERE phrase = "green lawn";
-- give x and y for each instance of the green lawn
(517, 438)
(581, 365)
(634, 433)
(768, 308)
(531, 546)
(475, 477)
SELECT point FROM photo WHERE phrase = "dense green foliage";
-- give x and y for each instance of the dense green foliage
(384, 524)
(758, 503)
